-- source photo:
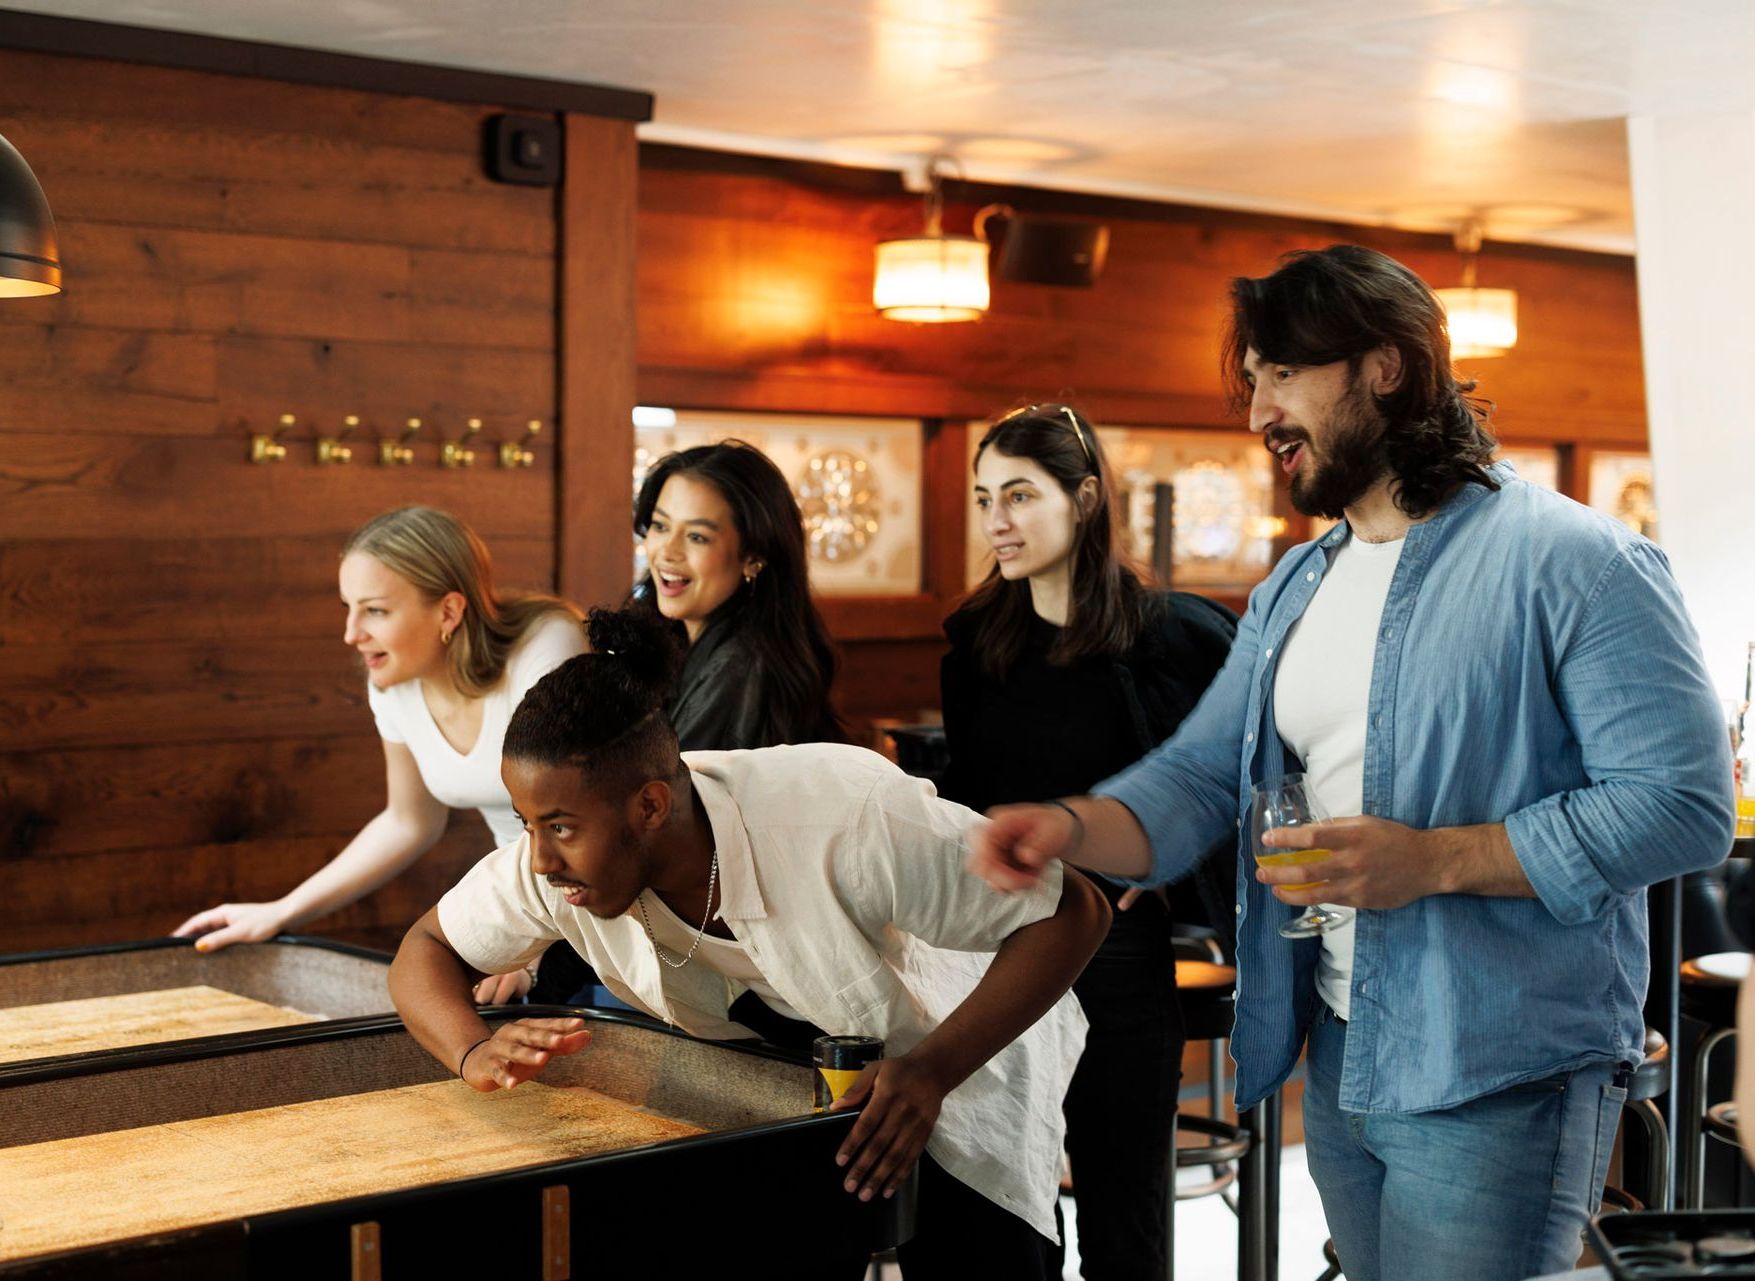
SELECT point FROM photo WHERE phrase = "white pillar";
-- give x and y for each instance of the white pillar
(1694, 212)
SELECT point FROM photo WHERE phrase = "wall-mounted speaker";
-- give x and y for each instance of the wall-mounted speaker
(1052, 251)
(524, 150)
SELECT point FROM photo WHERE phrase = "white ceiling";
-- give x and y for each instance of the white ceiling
(1413, 112)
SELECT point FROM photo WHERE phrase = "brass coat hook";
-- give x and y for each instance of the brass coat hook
(455, 452)
(268, 449)
(513, 452)
(331, 450)
(398, 452)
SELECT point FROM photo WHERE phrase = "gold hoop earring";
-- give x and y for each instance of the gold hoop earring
(444, 637)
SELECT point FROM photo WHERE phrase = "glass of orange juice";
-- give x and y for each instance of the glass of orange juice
(1289, 804)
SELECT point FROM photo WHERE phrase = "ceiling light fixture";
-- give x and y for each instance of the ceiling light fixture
(932, 278)
(1483, 322)
(30, 262)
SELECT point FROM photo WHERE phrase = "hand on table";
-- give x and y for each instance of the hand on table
(1010, 850)
(901, 1106)
(502, 989)
(233, 923)
(518, 1051)
(1374, 863)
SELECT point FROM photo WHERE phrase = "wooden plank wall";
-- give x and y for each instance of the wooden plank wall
(179, 722)
(755, 293)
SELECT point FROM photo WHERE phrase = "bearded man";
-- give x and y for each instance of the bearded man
(1502, 694)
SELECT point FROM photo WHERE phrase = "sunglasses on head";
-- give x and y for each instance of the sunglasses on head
(1058, 411)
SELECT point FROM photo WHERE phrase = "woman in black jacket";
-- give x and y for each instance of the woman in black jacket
(725, 552)
(1064, 668)
(724, 543)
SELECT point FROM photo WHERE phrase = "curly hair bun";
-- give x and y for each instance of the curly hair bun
(646, 644)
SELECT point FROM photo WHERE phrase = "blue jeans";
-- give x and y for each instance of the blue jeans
(1495, 1189)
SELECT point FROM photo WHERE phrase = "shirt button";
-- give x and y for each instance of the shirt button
(1310, 577)
(1249, 737)
(1388, 632)
(1239, 909)
(1269, 653)
(1377, 721)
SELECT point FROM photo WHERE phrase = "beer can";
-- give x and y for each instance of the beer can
(839, 1061)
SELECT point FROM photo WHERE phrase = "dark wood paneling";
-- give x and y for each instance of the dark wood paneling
(169, 279)
(56, 592)
(62, 804)
(180, 722)
(139, 893)
(178, 691)
(231, 176)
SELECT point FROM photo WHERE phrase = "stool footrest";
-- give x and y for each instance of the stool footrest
(1226, 1143)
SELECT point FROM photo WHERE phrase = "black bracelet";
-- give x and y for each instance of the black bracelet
(471, 1050)
(1078, 843)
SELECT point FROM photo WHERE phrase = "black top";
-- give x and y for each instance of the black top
(720, 702)
(1049, 730)
(717, 702)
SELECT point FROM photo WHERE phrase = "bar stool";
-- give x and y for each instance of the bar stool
(1709, 995)
(1246, 1154)
(1721, 1124)
(1651, 1080)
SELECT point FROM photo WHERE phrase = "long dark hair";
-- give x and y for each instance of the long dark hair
(1325, 305)
(603, 712)
(773, 614)
(1103, 605)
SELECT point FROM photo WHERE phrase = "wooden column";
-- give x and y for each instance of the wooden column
(593, 544)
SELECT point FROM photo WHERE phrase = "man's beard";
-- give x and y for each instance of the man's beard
(1353, 458)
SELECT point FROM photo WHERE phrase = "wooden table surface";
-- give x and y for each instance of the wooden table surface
(139, 1018)
(106, 1187)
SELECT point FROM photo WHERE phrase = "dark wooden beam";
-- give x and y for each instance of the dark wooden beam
(594, 542)
(77, 37)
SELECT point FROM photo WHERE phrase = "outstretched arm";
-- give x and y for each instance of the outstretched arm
(1032, 969)
(431, 987)
(1097, 833)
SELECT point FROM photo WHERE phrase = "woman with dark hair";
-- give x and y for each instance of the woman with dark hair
(725, 545)
(1063, 669)
(811, 889)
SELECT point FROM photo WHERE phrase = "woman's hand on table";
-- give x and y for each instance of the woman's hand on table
(902, 1101)
(230, 923)
(502, 989)
(518, 1051)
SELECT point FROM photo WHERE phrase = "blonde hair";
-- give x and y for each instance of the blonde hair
(439, 554)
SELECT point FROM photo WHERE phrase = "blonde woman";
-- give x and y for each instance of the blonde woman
(446, 658)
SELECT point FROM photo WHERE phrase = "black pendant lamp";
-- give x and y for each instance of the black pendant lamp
(30, 261)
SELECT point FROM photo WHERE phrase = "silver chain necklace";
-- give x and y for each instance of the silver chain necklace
(712, 879)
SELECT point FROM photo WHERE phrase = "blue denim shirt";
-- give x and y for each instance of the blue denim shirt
(1534, 666)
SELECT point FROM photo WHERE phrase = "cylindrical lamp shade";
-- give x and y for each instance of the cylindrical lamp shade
(1483, 322)
(931, 279)
(30, 261)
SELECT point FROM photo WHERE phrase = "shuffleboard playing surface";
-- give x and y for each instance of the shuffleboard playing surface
(71, 1193)
(137, 1018)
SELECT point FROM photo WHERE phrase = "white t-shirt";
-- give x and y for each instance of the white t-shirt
(727, 956)
(1322, 693)
(843, 880)
(471, 780)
